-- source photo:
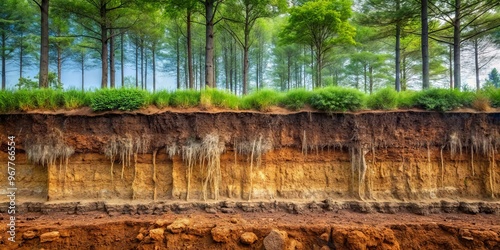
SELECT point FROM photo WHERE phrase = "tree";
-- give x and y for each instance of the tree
(98, 18)
(320, 24)
(44, 45)
(425, 43)
(243, 15)
(211, 7)
(391, 17)
(467, 19)
(493, 78)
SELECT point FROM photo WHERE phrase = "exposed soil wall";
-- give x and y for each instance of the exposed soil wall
(395, 156)
(200, 180)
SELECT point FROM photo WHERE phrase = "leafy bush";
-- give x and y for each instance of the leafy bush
(407, 99)
(261, 100)
(296, 99)
(118, 99)
(161, 99)
(47, 98)
(185, 98)
(337, 99)
(386, 98)
(73, 99)
(443, 99)
(493, 95)
(218, 98)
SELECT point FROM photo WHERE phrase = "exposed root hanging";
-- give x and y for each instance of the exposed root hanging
(45, 150)
(255, 150)
(124, 147)
(154, 175)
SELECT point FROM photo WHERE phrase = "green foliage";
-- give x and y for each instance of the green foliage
(118, 99)
(161, 99)
(493, 78)
(493, 95)
(27, 83)
(296, 99)
(73, 99)
(261, 100)
(386, 98)
(218, 98)
(407, 99)
(443, 99)
(337, 99)
(47, 98)
(7, 101)
(185, 98)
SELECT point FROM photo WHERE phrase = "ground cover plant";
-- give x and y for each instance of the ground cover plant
(329, 99)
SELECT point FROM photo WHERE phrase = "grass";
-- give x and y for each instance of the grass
(329, 99)
(261, 100)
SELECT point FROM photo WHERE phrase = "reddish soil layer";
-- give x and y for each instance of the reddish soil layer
(195, 230)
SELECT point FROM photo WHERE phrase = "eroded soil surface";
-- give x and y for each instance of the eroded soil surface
(200, 230)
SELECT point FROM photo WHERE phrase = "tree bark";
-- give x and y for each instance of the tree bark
(122, 59)
(476, 63)
(44, 48)
(456, 45)
(104, 47)
(136, 62)
(425, 45)
(4, 58)
(59, 64)
(209, 43)
(112, 68)
(178, 63)
(83, 72)
(153, 55)
(21, 57)
(450, 61)
(189, 50)
(398, 50)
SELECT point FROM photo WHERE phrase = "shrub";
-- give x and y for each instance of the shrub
(386, 98)
(185, 98)
(296, 99)
(407, 99)
(73, 99)
(261, 100)
(337, 99)
(481, 102)
(118, 99)
(219, 98)
(161, 99)
(443, 99)
(493, 95)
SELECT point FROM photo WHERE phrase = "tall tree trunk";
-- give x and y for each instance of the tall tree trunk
(21, 57)
(4, 57)
(145, 69)
(365, 75)
(456, 45)
(450, 63)
(246, 48)
(59, 64)
(189, 50)
(112, 68)
(398, 50)
(231, 68)
(370, 69)
(153, 54)
(122, 58)
(142, 64)
(476, 63)
(226, 62)
(178, 63)
(44, 48)
(136, 62)
(83, 71)
(104, 47)
(425, 45)
(209, 43)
